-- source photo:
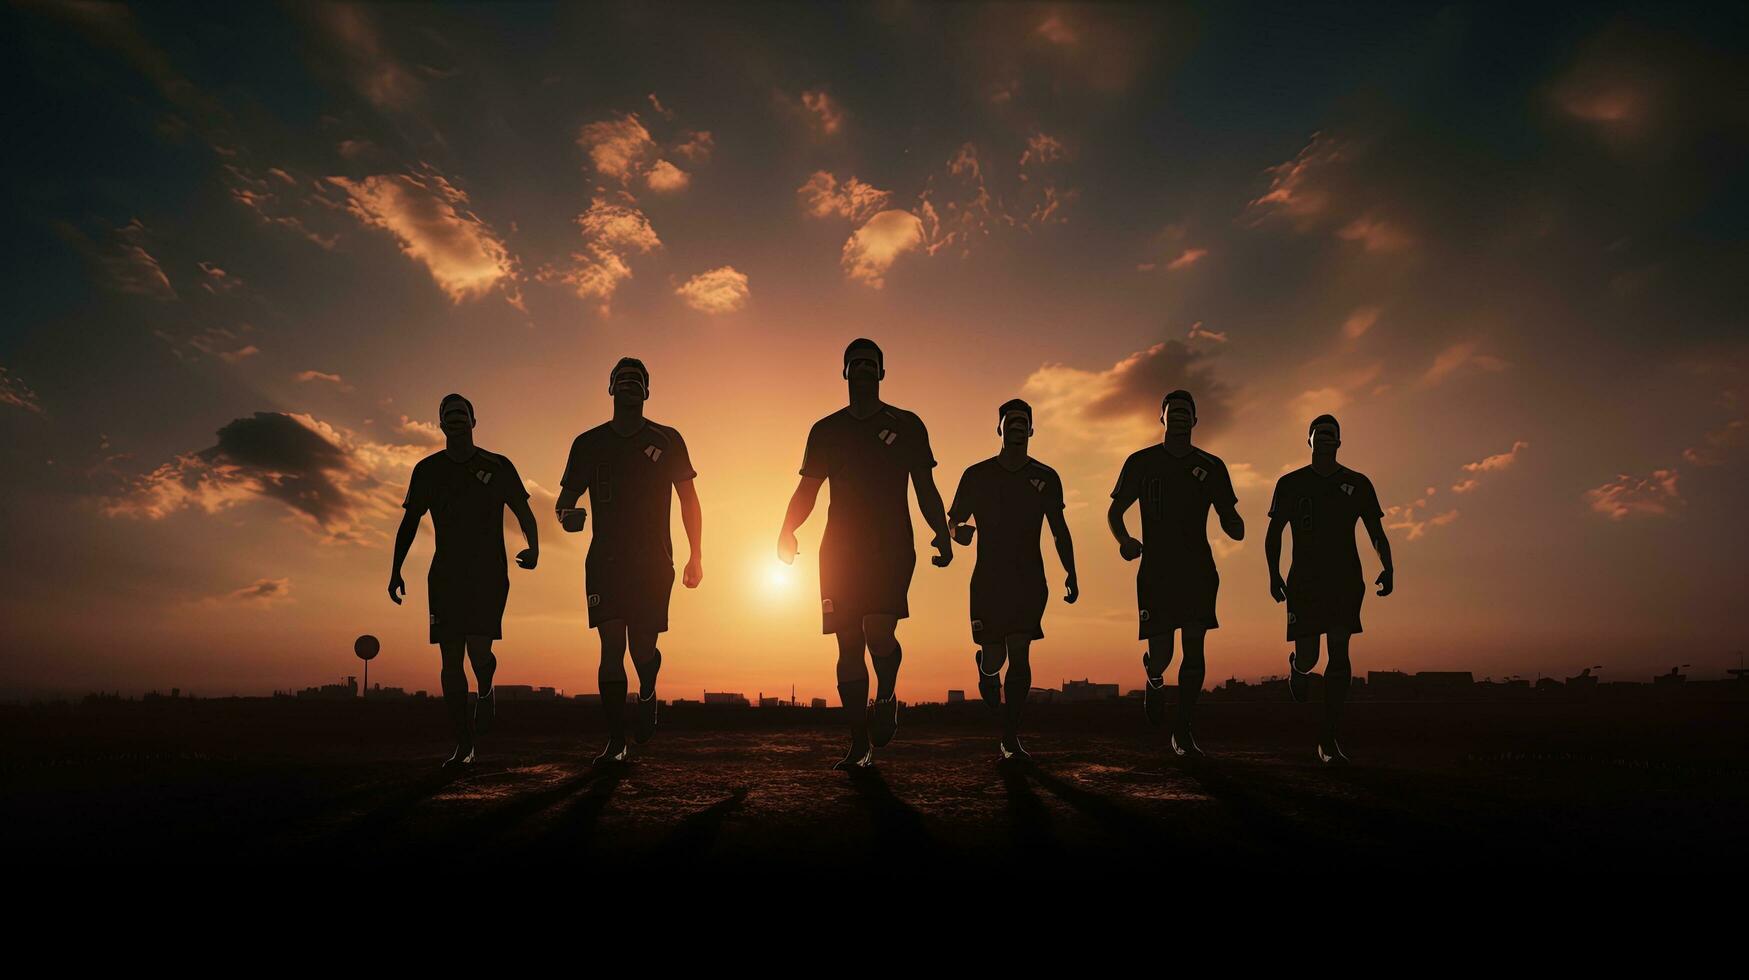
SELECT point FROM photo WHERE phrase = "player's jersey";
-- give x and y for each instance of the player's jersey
(466, 500)
(1009, 509)
(1175, 494)
(1322, 510)
(630, 480)
(868, 464)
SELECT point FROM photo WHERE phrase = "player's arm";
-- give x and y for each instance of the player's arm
(530, 530)
(960, 511)
(1231, 522)
(1272, 555)
(801, 504)
(1065, 552)
(692, 515)
(404, 536)
(1375, 529)
(1128, 547)
(934, 513)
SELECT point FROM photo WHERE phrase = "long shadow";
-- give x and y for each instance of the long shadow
(1259, 815)
(698, 831)
(482, 830)
(1032, 821)
(577, 823)
(1114, 816)
(900, 833)
(372, 826)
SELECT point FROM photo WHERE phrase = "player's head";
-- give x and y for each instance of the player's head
(629, 382)
(863, 360)
(1016, 425)
(1178, 411)
(1325, 433)
(455, 413)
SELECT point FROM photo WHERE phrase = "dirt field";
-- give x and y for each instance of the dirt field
(1436, 786)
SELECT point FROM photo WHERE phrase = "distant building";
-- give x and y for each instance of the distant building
(1443, 683)
(819, 702)
(773, 702)
(526, 692)
(1084, 690)
(1672, 679)
(332, 692)
(381, 693)
(1386, 685)
(733, 700)
(955, 697)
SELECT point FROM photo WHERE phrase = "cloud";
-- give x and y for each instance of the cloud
(1200, 332)
(217, 281)
(665, 178)
(329, 481)
(131, 269)
(612, 234)
(1465, 486)
(1359, 322)
(1376, 234)
(618, 148)
(1296, 189)
(1132, 388)
(261, 593)
(827, 116)
(956, 207)
(423, 431)
(1319, 188)
(1631, 496)
(223, 343)
(697, 148)
(1456, 356)
(872, 249)
(377, 75)
(1498, 461)
(429, 218)
(1041, 148)
(1718, 442)
(305, 377)
(1186, 259)
(17, 394)
(1412, 517)
(721, 290)
(824, 197)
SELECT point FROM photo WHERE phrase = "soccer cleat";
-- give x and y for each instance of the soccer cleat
(883, 721)
(1331, 754)
(1299, 682)
(1184, 746)
(1015, 754)
(614, 752)
(860, 757)
(485, 711)
(989, 685)
(1153, 696)
(644, 723)
(461, 759)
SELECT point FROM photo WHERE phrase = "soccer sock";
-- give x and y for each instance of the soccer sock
(1016, 687)
(854, 696)
(613, 702)
(887, 673)
(485, 668)
(647, 672)
(1336, 678)
(455, 702)
(1190, 679)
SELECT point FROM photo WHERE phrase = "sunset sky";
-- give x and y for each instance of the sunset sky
(1505, 245)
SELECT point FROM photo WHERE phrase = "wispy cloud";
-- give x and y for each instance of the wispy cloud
(429, 218)
(15, 393)
(612, 234)
(1498, 461)
(307, 377)
(1632, 496)
(872, 249)
(720, 290)
(1464, 354)
(262, 593)
(823, 196)
(826, 115)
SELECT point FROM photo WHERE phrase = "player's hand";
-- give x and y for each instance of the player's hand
(943, 545)
(694, 573)
(1074, 587)
(1385, 582)
(528, 557)
(962, 534)
(396, 586)
(786, 547)
(1277, 588)
(1130, 549)
(573, 519)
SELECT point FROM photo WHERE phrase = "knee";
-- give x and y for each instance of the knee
(1160, 651)
(881, 638)
(643, 647)
(1019, 651)
(1306, 654)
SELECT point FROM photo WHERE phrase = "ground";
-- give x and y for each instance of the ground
(1436, 786)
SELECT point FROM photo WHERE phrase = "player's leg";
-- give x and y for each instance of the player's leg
(1155, 662)
(880, 631)
(853, 693)
(991, 656)
(454, 679)
(1299, 667)
(1336, 678)
(485, 668)
(611, 679)
(1017, 685)
(647, 661)
(1191, 672)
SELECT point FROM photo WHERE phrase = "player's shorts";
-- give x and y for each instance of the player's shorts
(1006, 604)
(1175, 595)
(1325, 605)
(466, 603)
(636, 592)
(854, 586)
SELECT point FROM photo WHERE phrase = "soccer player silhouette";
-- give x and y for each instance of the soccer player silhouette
(465, 488)
(1176, 484)
(868, 450)
(1010, 496)
(627, 465)
(1325, 585)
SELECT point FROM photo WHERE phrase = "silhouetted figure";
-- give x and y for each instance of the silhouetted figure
(868, 450)
(627, 464)
(465, 488)
(1010, 496)
(1176, 484)
(1324, 586)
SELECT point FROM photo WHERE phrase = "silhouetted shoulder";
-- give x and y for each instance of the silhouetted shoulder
(1042, 471)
